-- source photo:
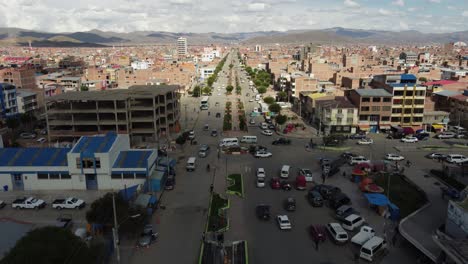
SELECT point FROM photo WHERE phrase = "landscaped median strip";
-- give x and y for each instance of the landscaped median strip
(236, 185)
(217, 222)
(334, 148)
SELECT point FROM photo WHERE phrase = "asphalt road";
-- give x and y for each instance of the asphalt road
(182, 223)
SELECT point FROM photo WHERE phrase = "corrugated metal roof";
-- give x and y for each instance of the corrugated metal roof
(35, 157)
(447, 93)
(132, 159)
(373, 92)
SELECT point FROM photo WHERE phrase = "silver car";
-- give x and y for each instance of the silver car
(203, 151)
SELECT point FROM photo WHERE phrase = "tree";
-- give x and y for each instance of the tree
(281, 119)
(262, 89)
(275, 108)
(53, 245)
(422, 79)
(196, 91)
(229, 88)
(269, 100)
(84, 88)
(282, 96)
(206, 90)
(128, 218)
(230, 66)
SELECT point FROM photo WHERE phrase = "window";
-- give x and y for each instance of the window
(349, 120)
(385, 118)
(397, 101)
(98, 163)
(365, 99)
(419, 93)
(338, 129)
(116, 176)
(363, 117)
(418, 110)
(376, 99)
(419, 101)
(375, 108)
(350, 111)
(396, 119)
(65, 176)
(339, 120)
(340, 111)
(409, 93)
(417, 119)
(406, 119)
(386, 108)
(140, 176)
(128, 176)
(408, 110)
(346, 128)
(387, 99)
(364, 108)
(408, 101)
(396, 110)
(42, 176)
(54, 176)
(398, 93)
(78, 163)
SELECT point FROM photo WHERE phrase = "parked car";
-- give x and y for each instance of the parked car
(147, 237)
(214, 133)
(290, 204)
(422, 136)
(326, 190)
(306, 173)
(352, 221)
(275, 183)
(41, 140)
(357, 136)
(438, 156)
(456, 158)
(26, 135)
(357, 160)
(281, 141)
(255, 148)
(286, 186)
(365, 141)
(263, 125)
(338, 199)
(446, 135)
(301, 183)
(394, 157)
(267, 132)
(363, 236)
(170, 183)
(317, 232)
(28, 203)
(252, 121)
(283, 222)
(206, 127)
(343, 211)
(263, 212)
(191, 135)
(263, 154)
(203, 151)
(409, 139)
(337, 233)
(68, 203)
(315, 198)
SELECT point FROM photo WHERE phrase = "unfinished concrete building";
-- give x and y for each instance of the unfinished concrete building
(145, 112)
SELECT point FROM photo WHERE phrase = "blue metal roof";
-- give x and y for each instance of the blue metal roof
(132, 159)
(95, 144)
(377, 199)
(408, 77)
(35, 157)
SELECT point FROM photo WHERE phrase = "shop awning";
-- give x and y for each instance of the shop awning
(377, 199)
(408, 130)
(437, 126)
(384, 127)
(364, 127)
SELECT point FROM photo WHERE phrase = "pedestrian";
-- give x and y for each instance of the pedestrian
(211, 188)
(344, 174)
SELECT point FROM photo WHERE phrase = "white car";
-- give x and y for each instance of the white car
(409, 139)
(263, 125)
(446, 135)
(219, 94)
(252, 121)
(263, 154)
(41, 140)
(260, 182)
(251, 100)
(267, 132)
(394, 157)
(283, 222)
(357, 160)
(261, 173)
(365, 141)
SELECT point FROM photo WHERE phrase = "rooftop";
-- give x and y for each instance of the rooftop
(373, 92)
(95, 144)
(447, 93)
(441, 82)
(132, 159)
(36, 157)
(338, 102)
(117, 94)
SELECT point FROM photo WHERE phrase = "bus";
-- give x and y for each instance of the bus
(204, 103)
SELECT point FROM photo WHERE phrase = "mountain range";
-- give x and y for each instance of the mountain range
(338, 35)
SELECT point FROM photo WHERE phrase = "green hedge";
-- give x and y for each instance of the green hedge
(216, 221)
(236, 185)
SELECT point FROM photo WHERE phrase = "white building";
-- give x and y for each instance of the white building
(26, 101)
(182, 47)
(258, 48)
(206, 72)
(140, 65)
(101, 162)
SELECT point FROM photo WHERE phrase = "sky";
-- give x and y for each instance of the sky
(224, 16)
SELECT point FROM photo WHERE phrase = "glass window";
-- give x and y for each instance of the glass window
(385, 118)
(340, 111)
(43, 176)
(65, 176)
(397, 101)
(406, 119)
(350, 111)
(417, 119)
(398, 93)
(396, 110)
(364, 108)
(128, 176)
(375, 108)
(98, 163)
(116, 175)
(418, 110)
(339, 120)
(419, 101)
(409, 93)
(349, 120)
(408, 101)
(396, 119)
(408, 110)
(78, 163)
(376, 99)
(363, 117)
(54, 176)
(365, 99)
(338, 129)
(346, 128)
(387, 99)
(386, 108)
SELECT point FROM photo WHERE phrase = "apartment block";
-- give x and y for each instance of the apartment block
(8, 103)
(22, 78)
(302, 84)
(26, 101)
(409, 58)
(336, 116)
(375, 108)
(181, 47)
(145, 112)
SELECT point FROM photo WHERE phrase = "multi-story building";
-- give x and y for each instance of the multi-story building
(336, 116)
(375, 108)
(408, 98)
(181, 47)
(206, 72)
(410, 58)
(258, 48)
(22, 78)
(8, 101)
(26, 101)
(145, 112)
(302, 83)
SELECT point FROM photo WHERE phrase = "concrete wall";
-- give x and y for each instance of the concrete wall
(31, 182)
(105, 182)
(5, 179)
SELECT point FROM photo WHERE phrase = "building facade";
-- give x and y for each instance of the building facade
(182, 47)
(22, 78)
(145, 112)
(26, 101)
(336, 116)
(8, 100)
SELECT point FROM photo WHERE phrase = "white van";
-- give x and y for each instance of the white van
(249, 139)
(229, 142)
(352, 221)
(191, 164)
(285, 171)
(338, 234)
(456, 158)
(373, 248)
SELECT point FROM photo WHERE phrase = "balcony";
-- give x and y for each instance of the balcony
(142, 130)
(142, 119)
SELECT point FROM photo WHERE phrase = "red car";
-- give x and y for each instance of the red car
(317, 232)
(275, 183)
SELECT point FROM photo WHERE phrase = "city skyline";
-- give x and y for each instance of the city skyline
(434, 16)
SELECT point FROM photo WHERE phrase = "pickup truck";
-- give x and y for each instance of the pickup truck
(28, 203)
(363, 236)
(68, 203)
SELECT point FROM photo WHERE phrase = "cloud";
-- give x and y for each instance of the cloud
(465, 13)
(351, 3)
(435, 1)
(399, 2)
(403, 26)
(256, 7)
(384, 12)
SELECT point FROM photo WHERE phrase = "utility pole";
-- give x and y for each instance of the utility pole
(186, 118)
(115, 230)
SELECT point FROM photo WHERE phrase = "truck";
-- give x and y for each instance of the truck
(28, 203)
(68, 203)
(363, 236)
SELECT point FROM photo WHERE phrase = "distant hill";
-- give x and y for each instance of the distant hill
(338, 35)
